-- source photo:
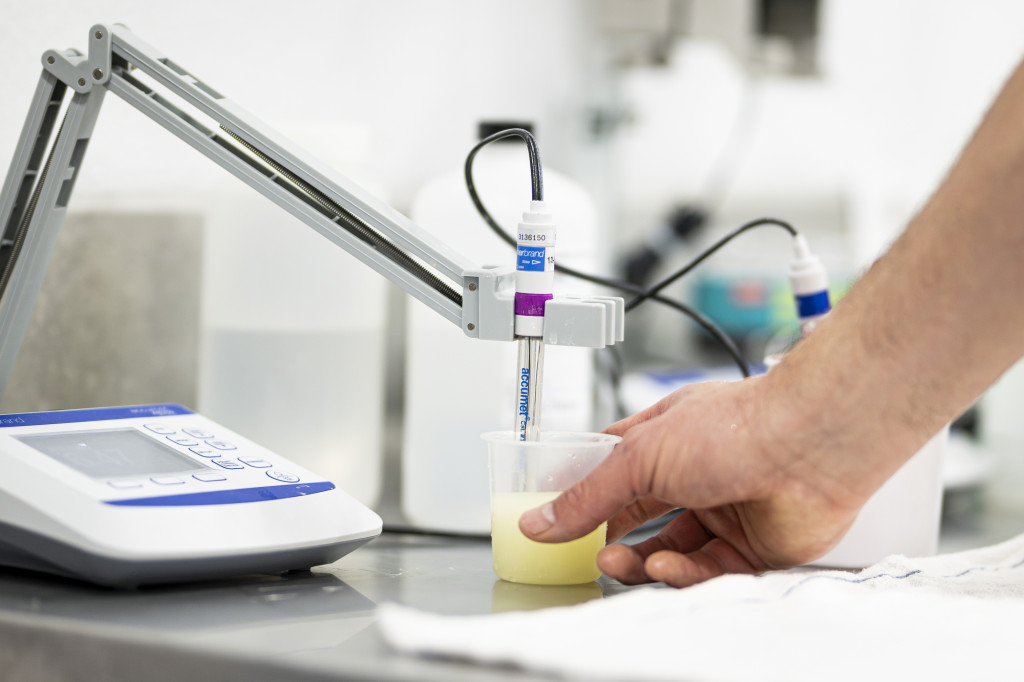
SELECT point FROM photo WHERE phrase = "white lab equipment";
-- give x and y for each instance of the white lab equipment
(41, 178)
(155, 493)
(902, 517)
(265, 340)
(1002, 434)
(480, 387)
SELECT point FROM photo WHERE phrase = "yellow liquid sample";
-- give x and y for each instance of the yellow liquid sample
(521, 560)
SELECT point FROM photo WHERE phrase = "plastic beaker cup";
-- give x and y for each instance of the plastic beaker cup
(526, 474)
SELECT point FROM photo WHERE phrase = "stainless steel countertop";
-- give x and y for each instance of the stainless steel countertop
(301, 626)
(315, 625)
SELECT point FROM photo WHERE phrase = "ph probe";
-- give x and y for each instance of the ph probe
(535, 276)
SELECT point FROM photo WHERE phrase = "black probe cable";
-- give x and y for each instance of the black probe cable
(654, 289)
(536, 173)
(538, 193)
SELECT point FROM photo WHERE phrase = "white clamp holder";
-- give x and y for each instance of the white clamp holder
(488, 305)
(588, 322)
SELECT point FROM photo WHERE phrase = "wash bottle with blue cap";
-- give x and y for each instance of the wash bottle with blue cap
(809, 280)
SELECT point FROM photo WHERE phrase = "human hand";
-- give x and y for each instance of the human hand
(756, 497)
(773, 470)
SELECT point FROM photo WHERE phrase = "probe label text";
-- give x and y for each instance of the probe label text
(531, 258)
(524, 401)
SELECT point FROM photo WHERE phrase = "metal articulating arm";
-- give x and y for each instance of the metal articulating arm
(38, 186)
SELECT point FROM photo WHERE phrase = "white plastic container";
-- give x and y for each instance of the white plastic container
(292, 345)
(456, 387)
(902, 517)
(1002, 433)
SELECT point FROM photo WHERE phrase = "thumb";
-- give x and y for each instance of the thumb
(590, 502)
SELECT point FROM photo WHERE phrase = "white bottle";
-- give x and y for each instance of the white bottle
(458, 388)
(292, 346)
(1002, 434)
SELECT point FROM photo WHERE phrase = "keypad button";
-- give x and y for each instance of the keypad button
(205, 452)
(255, 462)
(228, 464)
(186, 441)
(124, 485)
(209, 478)
(198, 433)
(283, 476)
(162, 429)
(167, 480)
(221, 445)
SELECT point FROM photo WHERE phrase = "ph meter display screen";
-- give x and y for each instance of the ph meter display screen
(107, 454)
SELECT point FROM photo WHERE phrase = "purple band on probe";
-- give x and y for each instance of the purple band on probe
(531, 305)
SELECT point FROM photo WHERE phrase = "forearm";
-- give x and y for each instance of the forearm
(932, 323)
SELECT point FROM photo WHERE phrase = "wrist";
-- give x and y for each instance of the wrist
(827, 424)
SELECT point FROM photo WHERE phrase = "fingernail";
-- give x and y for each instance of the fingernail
(538, 520)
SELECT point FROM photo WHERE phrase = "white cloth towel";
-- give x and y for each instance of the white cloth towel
(949, 617)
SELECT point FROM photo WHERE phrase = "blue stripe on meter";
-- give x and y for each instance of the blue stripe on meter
(531, 258)
(239, 496)
(91, 415)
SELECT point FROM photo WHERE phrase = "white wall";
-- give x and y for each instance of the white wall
(914, 78)
(852, 152)
(404, 80)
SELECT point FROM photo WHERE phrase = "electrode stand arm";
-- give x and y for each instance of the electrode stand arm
(48, 158)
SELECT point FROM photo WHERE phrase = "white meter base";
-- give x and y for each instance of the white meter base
(32, 551)
(126, 496)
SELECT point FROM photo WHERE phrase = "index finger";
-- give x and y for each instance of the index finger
(620, 427)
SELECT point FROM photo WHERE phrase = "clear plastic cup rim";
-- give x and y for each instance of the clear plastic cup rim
(552, 437)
